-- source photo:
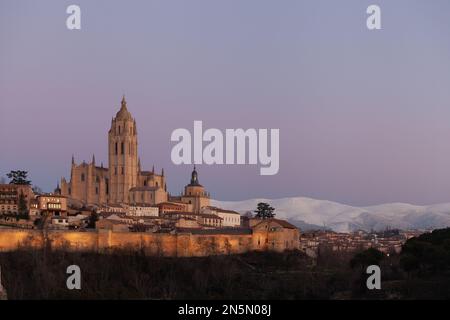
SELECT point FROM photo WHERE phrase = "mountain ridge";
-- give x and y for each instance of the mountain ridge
(315, 213)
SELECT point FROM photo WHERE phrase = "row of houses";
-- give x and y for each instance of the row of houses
(313, 242)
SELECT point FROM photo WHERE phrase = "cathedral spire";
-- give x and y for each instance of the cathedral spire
(73, 159)
(162, 172)
(93, 159)
(57, 189)
(123, 113)
(153, 169)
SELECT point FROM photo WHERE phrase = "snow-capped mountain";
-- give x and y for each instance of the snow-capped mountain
(311, 213)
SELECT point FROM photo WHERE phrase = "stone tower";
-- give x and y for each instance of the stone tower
(123, 157)
(195, 194)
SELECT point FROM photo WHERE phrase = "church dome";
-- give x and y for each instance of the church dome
(194, 178)
(123, 113)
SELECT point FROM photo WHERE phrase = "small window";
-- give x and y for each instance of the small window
(82, 177)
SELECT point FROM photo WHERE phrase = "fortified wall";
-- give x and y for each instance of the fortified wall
(163, 244)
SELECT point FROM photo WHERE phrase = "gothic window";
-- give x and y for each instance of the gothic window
(107, 186)
(122, 148)
(119, 129)
(123, 170)
(116, 148)
(157, 184)
(70, 190)
(97, 179)
(82, 177)
(145, 183)
(96, 190)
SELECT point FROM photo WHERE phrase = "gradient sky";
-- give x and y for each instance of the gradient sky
(364, 116)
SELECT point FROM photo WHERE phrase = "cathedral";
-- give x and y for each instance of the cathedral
(123, 181)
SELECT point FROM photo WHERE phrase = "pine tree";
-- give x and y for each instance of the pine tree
(264, 211)
(18, 177)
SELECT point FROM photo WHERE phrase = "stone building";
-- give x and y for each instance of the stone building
(10, 195)
(230, 218)
(274, 235)
(122, 181)
(195, 194)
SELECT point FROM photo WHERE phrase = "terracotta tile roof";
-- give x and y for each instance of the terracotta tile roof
(171, 203)
(204, 215)
(223, 210)
(282, 223)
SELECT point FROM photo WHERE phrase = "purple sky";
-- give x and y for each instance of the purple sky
(364, 116)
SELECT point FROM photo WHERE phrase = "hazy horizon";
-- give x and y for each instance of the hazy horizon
(364, 116)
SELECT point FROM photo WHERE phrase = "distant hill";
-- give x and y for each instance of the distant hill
(310, 213)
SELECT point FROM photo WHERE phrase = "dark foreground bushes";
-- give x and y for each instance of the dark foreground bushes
(422, 271)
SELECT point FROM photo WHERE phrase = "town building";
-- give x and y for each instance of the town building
(52, 205)
(275, 234)
(141, 210)
(165, 207)
(230, 218)
(10, 196)
(203, 220)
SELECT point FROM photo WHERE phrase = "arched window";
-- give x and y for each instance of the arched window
(116, 149)
(122, 148)
(82, 177)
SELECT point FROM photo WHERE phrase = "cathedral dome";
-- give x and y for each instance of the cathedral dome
(123, 113)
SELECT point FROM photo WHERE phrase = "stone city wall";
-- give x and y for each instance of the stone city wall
(181, 244)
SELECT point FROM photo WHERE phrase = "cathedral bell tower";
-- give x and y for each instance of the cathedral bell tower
(123, 157)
